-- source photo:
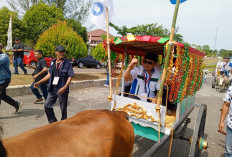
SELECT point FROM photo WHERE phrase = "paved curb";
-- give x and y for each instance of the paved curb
(21, 90)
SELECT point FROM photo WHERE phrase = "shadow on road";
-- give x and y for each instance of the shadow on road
(179, 147)
(27, 113)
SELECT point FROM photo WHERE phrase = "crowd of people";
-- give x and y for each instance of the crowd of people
(53, 82)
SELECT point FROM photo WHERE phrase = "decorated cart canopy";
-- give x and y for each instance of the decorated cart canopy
(140, 45)
(184, 73)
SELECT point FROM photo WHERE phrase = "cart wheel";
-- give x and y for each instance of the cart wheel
(197, 141)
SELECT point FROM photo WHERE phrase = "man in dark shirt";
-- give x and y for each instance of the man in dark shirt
(59, 76)
(41, 71)
(18, 50)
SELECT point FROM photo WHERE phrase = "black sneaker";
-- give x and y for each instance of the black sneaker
(25, 72)
(18, 109)
(15, 73)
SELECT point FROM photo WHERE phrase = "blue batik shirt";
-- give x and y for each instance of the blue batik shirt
(228, 98)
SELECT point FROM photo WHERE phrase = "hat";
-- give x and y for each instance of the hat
(151, 56)
(17, 38)
(60, 48)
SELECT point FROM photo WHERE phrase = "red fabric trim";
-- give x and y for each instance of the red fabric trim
(192, 50)
(148, 39)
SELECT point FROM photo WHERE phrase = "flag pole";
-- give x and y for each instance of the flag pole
(108, 49)
(9, 36)
(160, 94)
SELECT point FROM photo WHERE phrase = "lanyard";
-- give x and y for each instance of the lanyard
(58, 68)
(148, 80)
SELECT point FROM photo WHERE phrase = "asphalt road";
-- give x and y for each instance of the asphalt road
(33, 116)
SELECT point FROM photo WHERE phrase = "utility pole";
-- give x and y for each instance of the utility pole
(215, 41)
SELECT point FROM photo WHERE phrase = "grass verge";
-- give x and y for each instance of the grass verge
(27, 79)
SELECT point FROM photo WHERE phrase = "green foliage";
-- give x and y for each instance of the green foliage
(99, 53)
(103, 36)
(149, 29)
(205, 49)
(39, 18)
(225, 53)
(59, 3)
(76, 25)
(22, 5)
(17, 27)
(62, 34)
(77, 9)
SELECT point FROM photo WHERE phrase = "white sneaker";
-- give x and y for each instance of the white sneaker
(106, 85)
(17, 110)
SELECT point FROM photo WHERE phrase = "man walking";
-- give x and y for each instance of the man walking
(227, 109)
(41, 71)
(5, 77)
(18, 50)
(59, 76)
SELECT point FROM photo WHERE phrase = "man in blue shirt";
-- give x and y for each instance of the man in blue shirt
(227, 112)
(5, 77)
(59, 76)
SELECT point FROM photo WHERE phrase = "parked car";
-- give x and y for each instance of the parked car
(88, 61)
(29, 58)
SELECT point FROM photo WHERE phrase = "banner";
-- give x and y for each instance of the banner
(174, 1)
(98, 12)
(9, 35)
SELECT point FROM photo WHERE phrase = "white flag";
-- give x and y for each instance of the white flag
(9, 35)
(98, 12)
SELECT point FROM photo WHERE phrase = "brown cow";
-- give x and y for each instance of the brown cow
(93, 133)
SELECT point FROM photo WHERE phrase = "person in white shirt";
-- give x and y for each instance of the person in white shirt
(145, 78)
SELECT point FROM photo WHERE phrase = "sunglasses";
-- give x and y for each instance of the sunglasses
(147, 62)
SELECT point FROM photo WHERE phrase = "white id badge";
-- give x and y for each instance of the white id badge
(55, 80)
(143, 95)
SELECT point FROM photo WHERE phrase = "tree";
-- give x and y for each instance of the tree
(225, 53)
(149, 29)
(22, 5)
(206, 50)
(39, 18)
(76, 9)
(59, 3)
(62, 34)
(99, 53)
(17, 27)
(76, 25)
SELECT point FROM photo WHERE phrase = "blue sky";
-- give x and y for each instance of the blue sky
(197, 19)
